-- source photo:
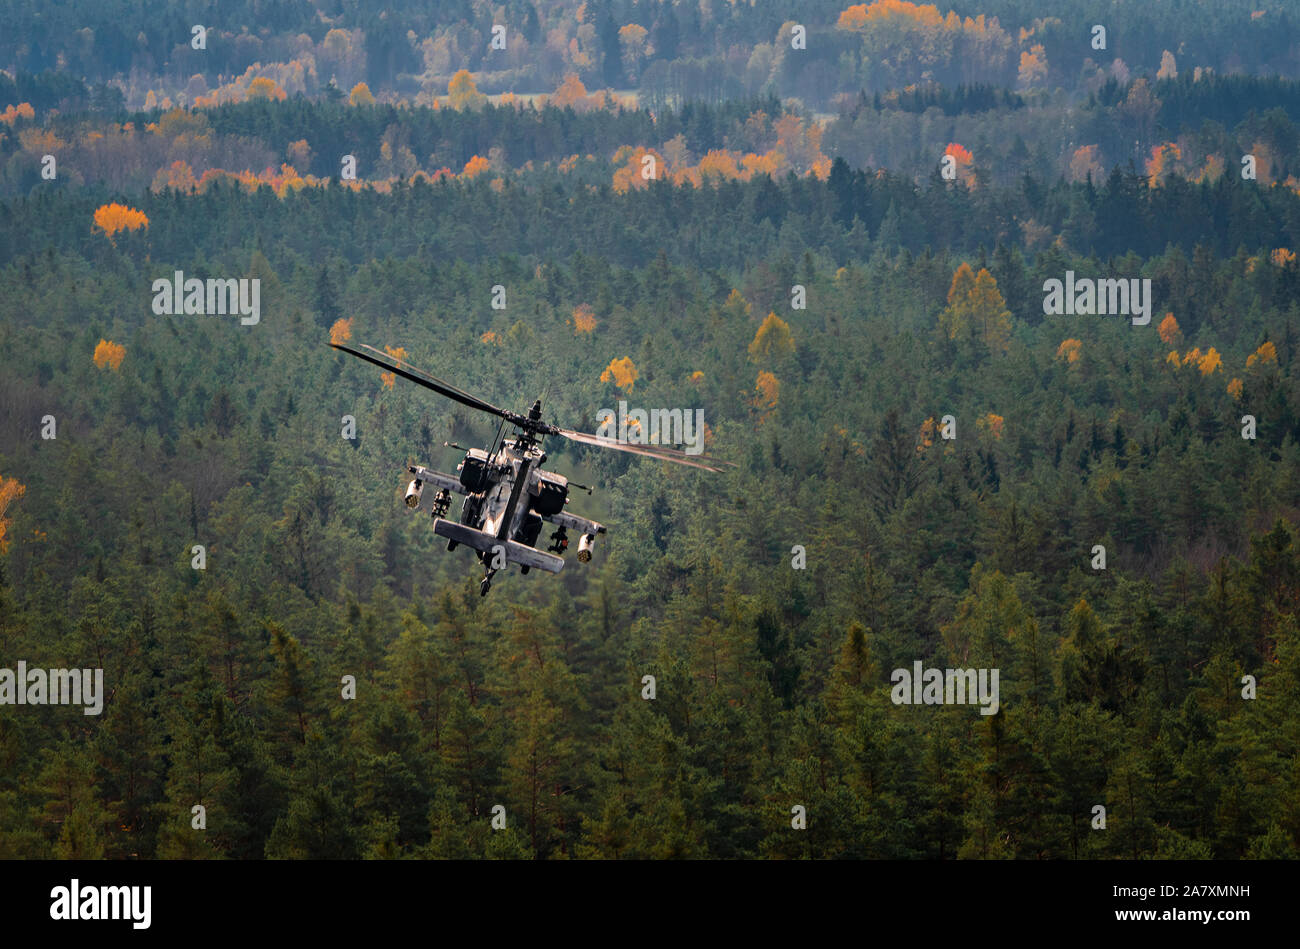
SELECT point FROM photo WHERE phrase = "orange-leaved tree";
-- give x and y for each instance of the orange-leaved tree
(768, 389)
(398, 353)
(962, 160)
(1084, 162)
(112, 218)
(1170, 334)
(12, 113)
(584, 318)
(1163, 163)
(341, 331)
(990, 423)
(570, 93)
(638, 172)
(109, 355)
(925, 438)
(10, 491)
(1069, 350)
(475, 167)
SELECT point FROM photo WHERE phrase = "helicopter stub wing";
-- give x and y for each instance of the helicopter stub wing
(514, 552)
(437, 478)
(573, 522)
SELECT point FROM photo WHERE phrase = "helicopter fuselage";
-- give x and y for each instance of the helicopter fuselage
(507, 497)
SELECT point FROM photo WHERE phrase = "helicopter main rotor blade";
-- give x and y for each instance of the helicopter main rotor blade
(418, 371)
(649, 451)
(429, 382)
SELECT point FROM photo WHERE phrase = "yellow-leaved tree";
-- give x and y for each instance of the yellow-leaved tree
(622, 372)
(976, 310)
(462, 93)
(265, 88)
(1267, 352)
(360, 95)
(772, 341)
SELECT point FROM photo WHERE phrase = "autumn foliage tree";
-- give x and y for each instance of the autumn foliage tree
(1033, 66)
(109, 355)
(462, 93)
(112, 218)
(341, 331)
(178, 176)
(571, 93)
(1084, 162)
(389, 379)
(10, 491)
(622, 372)
(962, 161)
(1266, 353)
(1169, 332)
(475, 167)
(1162, 163)
(772, 341)
(266, 88)
(637, 172)
(1069, 350)
(767, 392)
(584, 318)
(976, 310)
(12, 113)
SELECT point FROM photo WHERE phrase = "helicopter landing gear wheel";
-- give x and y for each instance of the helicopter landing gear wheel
(451, 544)
(484, 586)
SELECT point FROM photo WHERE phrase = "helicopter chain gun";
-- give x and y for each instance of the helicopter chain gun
(507, 494)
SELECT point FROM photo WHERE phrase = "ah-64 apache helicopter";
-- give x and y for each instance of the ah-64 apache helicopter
(507, 494)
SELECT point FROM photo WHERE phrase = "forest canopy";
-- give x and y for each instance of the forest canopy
(839, 260)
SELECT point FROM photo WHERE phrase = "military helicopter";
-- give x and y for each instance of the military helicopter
(496, 519)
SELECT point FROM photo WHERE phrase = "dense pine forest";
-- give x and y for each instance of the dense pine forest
(840, 259)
